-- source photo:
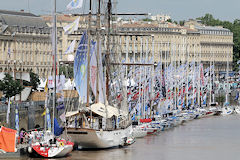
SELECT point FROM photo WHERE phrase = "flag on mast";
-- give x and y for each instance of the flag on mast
(68, 29)
(74, 4)
(70, 49)
(17, 119)
(80, 67)
(8, 110)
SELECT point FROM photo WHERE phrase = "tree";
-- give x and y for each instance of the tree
(181, 23)
(147, 20)
(66, 70)
(10, 87)
(220, 99)
(34, 81)
(175, 22)
(170, 20)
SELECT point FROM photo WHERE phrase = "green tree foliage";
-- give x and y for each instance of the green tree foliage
(234, 27)
(170, 20)
(34, 81)
(220, 99)
(147, 20)
(66, 70)
(181, 23)
(9, 86)
(175, 22)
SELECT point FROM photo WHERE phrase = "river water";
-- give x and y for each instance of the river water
(212, 138)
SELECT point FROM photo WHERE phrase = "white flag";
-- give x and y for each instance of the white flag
(93, 69)
(68, 29)
(50, 82)
(8, 110)
(62, 117)
(74, 4)
(70, 49)
(9, 52)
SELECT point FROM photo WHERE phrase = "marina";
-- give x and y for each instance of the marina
(125, 88)
(207, 138)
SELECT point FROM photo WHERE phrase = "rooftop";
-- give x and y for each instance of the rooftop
(21, 19)
(21, 13)
(215, 28)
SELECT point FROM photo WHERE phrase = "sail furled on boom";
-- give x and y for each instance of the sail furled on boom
(80, 68)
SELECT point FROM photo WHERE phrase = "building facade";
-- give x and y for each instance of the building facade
(25, 43)
(167, 42)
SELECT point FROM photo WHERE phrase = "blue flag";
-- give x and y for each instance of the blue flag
(48, 119)
(80, 68)
(205, 101)
(133, 117)
(189, 102)
(237, 96)
(17, 119)
(57, 130)
(195, 101)
(61, 106)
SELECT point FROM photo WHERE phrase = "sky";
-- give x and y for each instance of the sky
(177, 9)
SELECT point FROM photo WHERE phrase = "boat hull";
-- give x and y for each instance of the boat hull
(49, 152)
(139, 133)
(99, 139)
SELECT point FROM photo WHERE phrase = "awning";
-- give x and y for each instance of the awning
(8, 139)
(72, 113)
(100, 109)
(146, 120)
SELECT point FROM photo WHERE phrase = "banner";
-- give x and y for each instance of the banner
(68, 29)
(17, 119)
(8, 110)
(80, 68)
(74, 4)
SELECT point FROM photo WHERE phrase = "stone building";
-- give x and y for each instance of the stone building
(170, 42)
(64, 40)
(156, 41)
(25, 43)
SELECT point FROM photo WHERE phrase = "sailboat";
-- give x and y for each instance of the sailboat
(50, 146)
(98, 125)
(226, 110)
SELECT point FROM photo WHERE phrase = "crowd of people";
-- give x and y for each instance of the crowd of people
(29, 137)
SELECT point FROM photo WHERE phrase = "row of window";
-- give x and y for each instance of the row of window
(216, 32)
(149, 29)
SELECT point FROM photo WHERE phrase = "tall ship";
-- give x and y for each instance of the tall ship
(100, 121)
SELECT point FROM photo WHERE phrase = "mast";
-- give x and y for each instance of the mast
(227, 75)
(211, 76)
(109, 12)
(140, 83)
(88, 56)
(213, 94)
(98, 48)
(54, 43)
(188, 50)
(88, 59)
(199, 78)
(194, 70)
(152, 78)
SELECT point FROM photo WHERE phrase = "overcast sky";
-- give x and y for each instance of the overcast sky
(177, 9)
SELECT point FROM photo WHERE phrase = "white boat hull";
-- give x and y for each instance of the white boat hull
(90, 138)
(227, 111)
(139, 133)
(237, 110)
(50, 152)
